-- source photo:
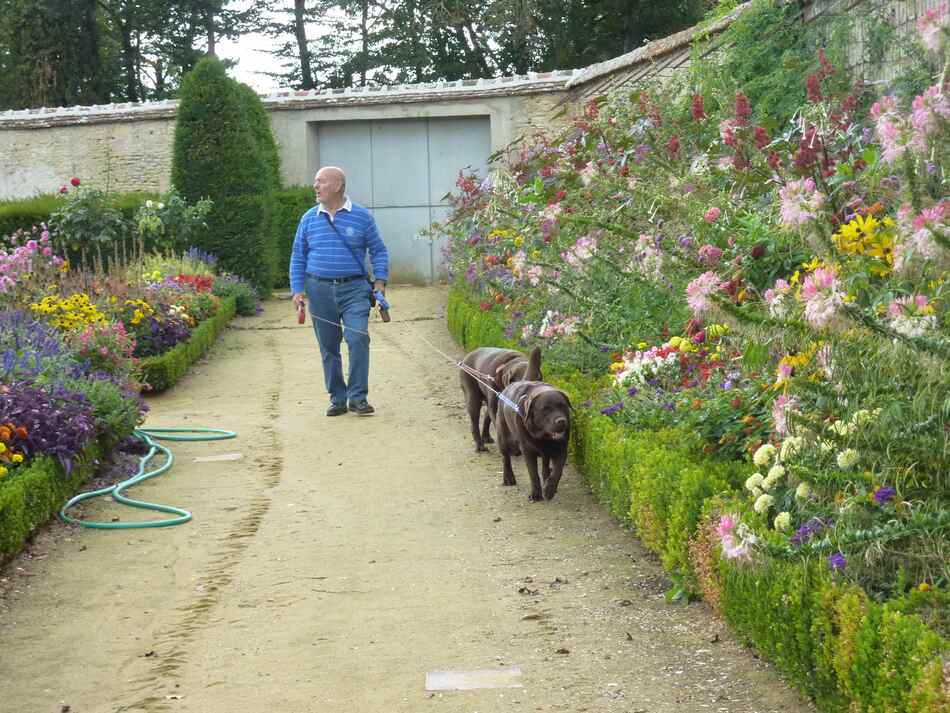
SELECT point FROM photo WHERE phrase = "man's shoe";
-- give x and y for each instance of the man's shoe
(361, 408)
(336, 410)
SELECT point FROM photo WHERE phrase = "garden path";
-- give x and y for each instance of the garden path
(342, 559)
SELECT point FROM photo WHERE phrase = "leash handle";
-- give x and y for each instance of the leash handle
(301, 313)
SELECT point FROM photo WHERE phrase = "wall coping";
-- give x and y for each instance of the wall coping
(289, 99)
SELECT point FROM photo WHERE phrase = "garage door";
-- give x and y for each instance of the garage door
(400, 170)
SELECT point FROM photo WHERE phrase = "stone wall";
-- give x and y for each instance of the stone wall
(128, 147)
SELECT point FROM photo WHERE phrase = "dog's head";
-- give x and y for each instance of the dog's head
(547, 413)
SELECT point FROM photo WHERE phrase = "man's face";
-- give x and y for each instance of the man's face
(325, 184)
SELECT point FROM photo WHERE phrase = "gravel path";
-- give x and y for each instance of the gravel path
(342, 559)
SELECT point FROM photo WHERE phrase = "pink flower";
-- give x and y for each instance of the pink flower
(727, 523)
(699, 290)
(63, 189)
(823, 300)
(727, 132)
(775, 298)
(933, 28)
(74, 181)
(893, 130)
(781, 407)
(47, 252)
(743, 109)
(928, 110)
(699, 112)
(709, 254)
(801, 202)
(712, 215)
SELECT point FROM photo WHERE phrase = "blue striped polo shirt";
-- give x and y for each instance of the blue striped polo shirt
(318, 250)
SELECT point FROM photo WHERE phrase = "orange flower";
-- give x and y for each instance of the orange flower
(21, 432)
(5, 433)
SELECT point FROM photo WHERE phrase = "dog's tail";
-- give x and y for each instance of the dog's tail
(533, 372)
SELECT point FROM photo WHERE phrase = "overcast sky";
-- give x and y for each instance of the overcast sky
(251, 53)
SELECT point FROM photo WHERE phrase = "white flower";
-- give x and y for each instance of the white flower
(764, 454)
(160, 205)
(847, 459)
(803, 490)
(843, 429)
(763, 503)
(862, 417)
(754, 481)
(782, 521)
(776, 472)
(149, 204)
(791, 446)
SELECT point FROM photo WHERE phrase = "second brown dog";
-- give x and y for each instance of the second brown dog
(540, 427)
(497, 368)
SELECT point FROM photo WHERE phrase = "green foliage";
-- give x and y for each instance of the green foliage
(164, 370)
(33, 493)
(25, 213)
(222, 152)
(287, 209)
(244, 295)
(171, 225)
(116, 412)
(771, 53)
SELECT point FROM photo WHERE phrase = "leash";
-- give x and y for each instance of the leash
(477, 375)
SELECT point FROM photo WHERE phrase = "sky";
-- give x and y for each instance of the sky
(251, 53)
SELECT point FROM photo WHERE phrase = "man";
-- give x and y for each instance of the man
(327, 265)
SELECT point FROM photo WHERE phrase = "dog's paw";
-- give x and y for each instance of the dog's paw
(488, 439)
(535, 497)
(549, 493)
(481, 449)
(508, 481)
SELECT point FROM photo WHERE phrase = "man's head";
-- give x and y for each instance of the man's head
(329, 184)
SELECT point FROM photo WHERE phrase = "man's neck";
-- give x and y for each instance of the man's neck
(334, 204)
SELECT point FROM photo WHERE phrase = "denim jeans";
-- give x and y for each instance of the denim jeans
(346, 302)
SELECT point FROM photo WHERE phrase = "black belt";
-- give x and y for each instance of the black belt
(337, 280)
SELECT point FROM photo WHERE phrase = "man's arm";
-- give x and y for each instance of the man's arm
(298, 262)
(378, 254)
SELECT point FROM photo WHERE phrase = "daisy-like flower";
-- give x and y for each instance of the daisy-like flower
(782, 521)
(847, 459)
(801, 201)
(763, 503)
(699, 290)
(822, 297)
(764, 454)
(803, 490)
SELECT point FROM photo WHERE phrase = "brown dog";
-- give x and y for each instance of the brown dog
(497, 368)
(541, 427)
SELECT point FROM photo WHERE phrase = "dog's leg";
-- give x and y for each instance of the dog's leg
(545, 468)
(486, 427)
(551, 483)
(474, 404)
(509, 476)
(531, 460)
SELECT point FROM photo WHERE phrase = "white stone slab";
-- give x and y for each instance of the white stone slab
(472, 680)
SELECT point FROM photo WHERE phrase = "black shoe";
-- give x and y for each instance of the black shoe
(362, 408)
(336, 410)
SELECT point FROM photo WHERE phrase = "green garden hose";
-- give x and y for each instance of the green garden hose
(146, 435)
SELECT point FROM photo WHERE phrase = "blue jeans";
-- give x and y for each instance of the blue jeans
(346, 302)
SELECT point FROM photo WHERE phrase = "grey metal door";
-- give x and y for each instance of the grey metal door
(400, 169)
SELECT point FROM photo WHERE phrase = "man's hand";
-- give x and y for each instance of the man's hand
(379, 286)
(298, 299)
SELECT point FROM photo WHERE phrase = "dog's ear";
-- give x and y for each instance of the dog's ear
(533, 372)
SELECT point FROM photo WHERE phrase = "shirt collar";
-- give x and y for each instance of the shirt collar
(347, 205)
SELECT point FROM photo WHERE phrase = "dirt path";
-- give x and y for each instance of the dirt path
(343, 559)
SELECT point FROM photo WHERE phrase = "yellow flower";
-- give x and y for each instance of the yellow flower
(616, 366)
(17, 458)
(3, 471)
(3, 447)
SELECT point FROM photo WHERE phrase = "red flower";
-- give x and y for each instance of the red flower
(74, 181)
(761, 137)
(774, 161)
(673, 146)
(699, 112)
(485, 305)
(743, 109)
(736, 402)
(758, 250)
(814, 89)
(826, 67)
(63, 189)
(592, 110)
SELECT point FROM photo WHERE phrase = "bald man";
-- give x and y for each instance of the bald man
(328, 270)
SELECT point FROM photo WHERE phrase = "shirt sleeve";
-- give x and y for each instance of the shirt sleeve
(298, 257)
(378, 253)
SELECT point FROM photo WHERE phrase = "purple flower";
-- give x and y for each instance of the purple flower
(612, 409)
(685, 241)
(837, 562)
(632, 391)
(587, 404)
(808, 530)
(884, 494)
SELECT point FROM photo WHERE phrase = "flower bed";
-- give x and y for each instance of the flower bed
(78, 344)
(761, 315)
(838, 646)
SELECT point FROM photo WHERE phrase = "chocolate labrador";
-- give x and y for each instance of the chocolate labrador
(540, 428)
(497, 368)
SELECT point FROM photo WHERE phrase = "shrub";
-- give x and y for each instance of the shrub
(220, 153)
(243, 293)
(117, 412)
(26, 213)
(287, 209)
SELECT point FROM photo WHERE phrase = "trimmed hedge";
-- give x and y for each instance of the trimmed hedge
(846, 652)
(25, 213)
(34, 494)
(164, 370)
(287, 208)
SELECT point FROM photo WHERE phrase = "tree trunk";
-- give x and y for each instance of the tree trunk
(631, 35)
(128, 59)
(364, 33)
(209, 29)
(300, 28)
